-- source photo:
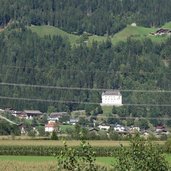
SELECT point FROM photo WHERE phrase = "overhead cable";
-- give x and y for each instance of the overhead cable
(78, 102)
(82, 88)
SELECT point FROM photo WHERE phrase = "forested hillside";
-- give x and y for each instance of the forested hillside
(94, 16)
(25, 58)
(135, 64)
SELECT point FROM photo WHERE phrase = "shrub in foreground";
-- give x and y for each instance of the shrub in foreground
(141, 156)
(73, 160)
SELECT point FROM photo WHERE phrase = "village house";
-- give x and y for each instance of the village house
(17, 113)
(104, 127)
(161, 32)
(51, 126)
(73, 121)
(55, 116)
(119, 128)
(134, 129)
(32, 113)
(111, 98)
(160, 128)
(20, 115)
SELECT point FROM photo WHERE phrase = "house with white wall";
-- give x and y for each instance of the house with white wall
(119, 128)
(51, 126)
(104, 127)
(111, 98)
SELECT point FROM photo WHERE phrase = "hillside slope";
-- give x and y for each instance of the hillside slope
(137, 32)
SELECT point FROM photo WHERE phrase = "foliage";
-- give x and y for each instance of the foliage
(51, 109)
(70, 159)
(54, 135)
(8, 129)
(167, 146)
(32, 133)
(98, 110)
(141, 156)
(92, 16)
(38, 150)
(41, 130)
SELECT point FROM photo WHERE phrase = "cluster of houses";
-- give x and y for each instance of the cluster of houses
(53, 118)
(53, 121)
(26, 114)
(119, 128)
(109, 98)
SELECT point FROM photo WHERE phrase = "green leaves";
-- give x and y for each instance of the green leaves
(74, 160)
(141, 156)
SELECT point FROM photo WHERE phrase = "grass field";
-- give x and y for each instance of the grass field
(103, 143)
(41, 163)
(50, 30)
(167, 25)
(137, 32)
(65, 127)
(103, 160)
(7, 165)
(107, 109)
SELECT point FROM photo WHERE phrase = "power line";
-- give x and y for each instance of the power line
(78, 102)
(86, 71)
(128, 117)
(81, 88)
(45, 100)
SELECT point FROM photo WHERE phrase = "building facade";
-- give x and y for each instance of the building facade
(51, 126)
(111, 98)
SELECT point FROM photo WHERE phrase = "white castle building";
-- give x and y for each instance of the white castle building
(111, 98)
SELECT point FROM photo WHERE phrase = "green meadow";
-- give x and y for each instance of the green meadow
(52, 161)
(136, 32)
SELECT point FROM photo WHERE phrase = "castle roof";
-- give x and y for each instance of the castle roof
(111, 92)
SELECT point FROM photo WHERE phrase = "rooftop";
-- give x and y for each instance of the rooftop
(34, 112)
(51, 124)
(112, 92)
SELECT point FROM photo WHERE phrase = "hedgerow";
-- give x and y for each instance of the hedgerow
(32, 150)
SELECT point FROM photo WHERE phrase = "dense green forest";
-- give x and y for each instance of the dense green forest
(26, 58)
(94, 16)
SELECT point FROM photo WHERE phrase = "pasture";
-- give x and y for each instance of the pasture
(137, 32)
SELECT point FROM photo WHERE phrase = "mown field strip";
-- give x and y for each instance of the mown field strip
(69, 143)
(7, 165)
(42, 163)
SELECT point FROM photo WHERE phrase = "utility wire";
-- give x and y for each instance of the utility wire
(78, 102)
(79, 70)
(81, 88)
(128, 117)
